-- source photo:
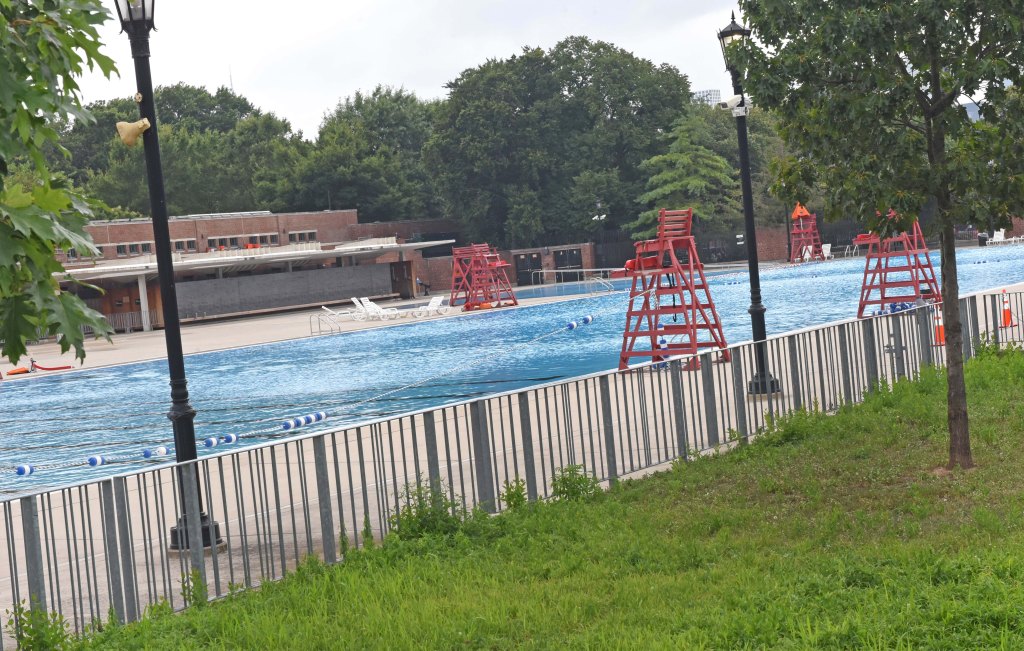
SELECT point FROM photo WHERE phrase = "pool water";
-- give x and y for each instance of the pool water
(119, 411)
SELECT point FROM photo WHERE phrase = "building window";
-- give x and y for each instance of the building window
(273, 238)
(253, 239)
(133, 249)
(179, 246)
(147, 247)
(293, 237)
(191, 245)
(263, 240)
(122, 250)
(234, 242)
(72, 254)
(99, 251)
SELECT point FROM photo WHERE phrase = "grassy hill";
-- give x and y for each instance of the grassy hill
(831, 532)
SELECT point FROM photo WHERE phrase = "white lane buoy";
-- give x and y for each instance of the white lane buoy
(230, 438)
(158, 451)
(587, 320)
(211, 441)
(96, 460)
(572, 325)
(24, 469)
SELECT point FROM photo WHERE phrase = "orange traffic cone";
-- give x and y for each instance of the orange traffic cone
(1007, 315)
(940, 330)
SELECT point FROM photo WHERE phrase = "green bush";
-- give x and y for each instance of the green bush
(574, 484)
(426, 510)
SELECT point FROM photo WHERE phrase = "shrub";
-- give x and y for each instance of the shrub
(426, 510)
(574, 484)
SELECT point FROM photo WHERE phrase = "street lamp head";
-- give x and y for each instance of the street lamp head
(733, 33)
(136, 15)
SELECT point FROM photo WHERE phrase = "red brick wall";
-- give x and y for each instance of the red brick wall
(404, 230)
(1016, 228)
(330, 225)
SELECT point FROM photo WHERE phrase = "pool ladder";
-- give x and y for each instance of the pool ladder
(598, 285)
(323, 324)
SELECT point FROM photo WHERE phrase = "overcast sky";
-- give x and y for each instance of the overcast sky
(298, 59)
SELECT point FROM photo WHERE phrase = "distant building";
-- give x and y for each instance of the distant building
(710, 97)
(244, 263)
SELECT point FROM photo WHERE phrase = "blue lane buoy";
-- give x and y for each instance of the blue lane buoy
(572, 325)
(308, 419)
(587, 320)
(96, 460)
(159, 451)
(24, 469)
(211, 441)
(230, 438)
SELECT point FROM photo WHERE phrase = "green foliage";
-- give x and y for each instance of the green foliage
(426, 510)
(193, 589)
(38, 629)
(514, 496)
(574, 484)
(46, 48)
(525, 147)
(896, 76)
(701, 170)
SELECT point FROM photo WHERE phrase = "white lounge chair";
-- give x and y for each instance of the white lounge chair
(435, 306)
(826, 252)
(999, 236)
(375, 311)
(807, 255)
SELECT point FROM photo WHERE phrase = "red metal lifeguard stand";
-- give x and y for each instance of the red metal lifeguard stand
(803, 236)
(480, 278)
(896, 270)
(670, 296)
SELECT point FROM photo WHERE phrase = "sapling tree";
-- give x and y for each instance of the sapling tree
(875, 96)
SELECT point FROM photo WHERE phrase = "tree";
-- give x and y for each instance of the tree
(368, 155)
(46, 47)
(521, 142)
(872, 94)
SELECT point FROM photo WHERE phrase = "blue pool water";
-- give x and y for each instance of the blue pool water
(121, 410)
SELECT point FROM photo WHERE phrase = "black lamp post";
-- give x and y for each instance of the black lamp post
(137, 21)
(762, 382)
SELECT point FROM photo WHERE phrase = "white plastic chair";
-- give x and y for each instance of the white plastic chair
(999, 236)
(375, 311)
(808, 254)
(435, 306)
(826, 252)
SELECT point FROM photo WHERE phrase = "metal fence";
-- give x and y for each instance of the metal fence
(90, 549)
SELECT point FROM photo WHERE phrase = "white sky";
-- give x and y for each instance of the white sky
(298, 59)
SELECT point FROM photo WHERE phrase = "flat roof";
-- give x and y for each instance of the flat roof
(246, 259)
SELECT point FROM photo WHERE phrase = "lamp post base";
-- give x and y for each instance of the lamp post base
(763, 384)
(210, 529)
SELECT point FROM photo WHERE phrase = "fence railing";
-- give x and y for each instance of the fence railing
(92, 548)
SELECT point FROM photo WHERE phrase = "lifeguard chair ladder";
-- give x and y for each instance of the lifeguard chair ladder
(669, 297)
(896, 270)
(804, 234)
(480, 278)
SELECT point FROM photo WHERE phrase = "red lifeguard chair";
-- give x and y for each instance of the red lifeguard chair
(804, 239)
(480, 278)
(897, 270)
(670, 305)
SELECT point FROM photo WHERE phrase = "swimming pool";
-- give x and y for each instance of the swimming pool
(121, 410)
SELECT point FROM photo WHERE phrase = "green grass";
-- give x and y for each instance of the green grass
(833, 532)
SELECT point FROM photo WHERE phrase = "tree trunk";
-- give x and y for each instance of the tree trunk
(956, 394)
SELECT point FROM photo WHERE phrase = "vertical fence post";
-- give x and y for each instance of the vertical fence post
(433, 463)
(131, 610)
(526, 427)
(482, 458)
(897, 346)
(189, 474)
(924, 335)
(33, 553)
(794, 372)
(323, 494)
(844, 359)
(966, 331)
(675, 371)
(111, 549)
(739, 397)
(996, 320)
(710, 406)
(609, 430)
(870, 353)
